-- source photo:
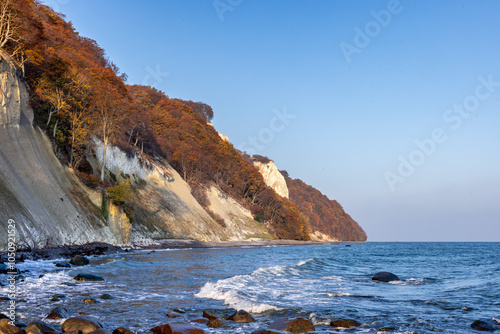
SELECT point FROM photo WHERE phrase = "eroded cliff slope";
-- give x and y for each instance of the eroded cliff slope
(35, 189)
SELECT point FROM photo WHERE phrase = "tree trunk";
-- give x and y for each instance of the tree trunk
(104, 158)
(55, 129)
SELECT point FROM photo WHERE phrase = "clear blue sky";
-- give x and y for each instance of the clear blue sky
(356, 85)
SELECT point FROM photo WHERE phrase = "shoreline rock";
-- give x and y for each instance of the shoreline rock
(385, 276)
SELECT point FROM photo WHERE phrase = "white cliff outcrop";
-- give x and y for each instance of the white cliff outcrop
(165, 207)
(236, 218)
(36, 191)
(272, 176)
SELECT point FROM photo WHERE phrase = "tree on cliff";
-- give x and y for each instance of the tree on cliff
(78, 117)
(11, 35)
(107, 113)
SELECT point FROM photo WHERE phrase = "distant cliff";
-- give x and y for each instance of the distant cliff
(327, 218)
(272, 176)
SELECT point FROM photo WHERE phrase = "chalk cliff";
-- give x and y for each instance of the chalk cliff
(165, 208)
(36, 191)
(272, 176)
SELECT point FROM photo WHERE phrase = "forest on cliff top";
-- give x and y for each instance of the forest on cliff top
(77, 94)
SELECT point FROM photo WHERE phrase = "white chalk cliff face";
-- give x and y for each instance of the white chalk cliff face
(272, 177)
(36, 191)
(14, 99)
(237, 219)
(165, 207)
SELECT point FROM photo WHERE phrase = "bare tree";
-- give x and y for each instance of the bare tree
(78, 116)
(8, 24)
(108, 115)
(10, 38)
(57, 99)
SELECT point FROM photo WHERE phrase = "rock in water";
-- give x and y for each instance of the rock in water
(100, 331)
(122, 330)
(89, 301)
(6, 328)
(79, 261)
(63, 265)
(58, 313)
(215, 323)
(58, 297)
(481, 325)
(345, 323)
(88, 277)
(81, 323)
(294, 325)
(242, 316)
(68, 284)
(216, 313)
(39, 326)
(385, 276)
(106, 296)
(177, 329)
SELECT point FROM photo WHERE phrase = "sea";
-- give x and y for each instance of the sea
(444, 287)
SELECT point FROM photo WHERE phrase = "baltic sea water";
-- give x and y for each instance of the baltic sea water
(444, 287)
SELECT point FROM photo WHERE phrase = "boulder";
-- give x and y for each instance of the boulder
(218, 313)
(58, 297)
(242, 316)
(3, 268)
(294, 325)
(6, 328)
(58, 313)
(481, 325)
(177, 329)
(122, 330)
(100, 331)
(83, 324)
(387, 329)
(89, 301)
(6, 269)
(79, 261)
(63, 265)
(68, 284)
(215, 323)
(345, 323)
(88, 277)
(39, 326)
(172, 315)
(106, 296)
(200, 321)
(385, 276)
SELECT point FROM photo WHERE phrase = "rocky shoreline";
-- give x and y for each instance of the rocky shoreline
(97, 249)
(177, 320)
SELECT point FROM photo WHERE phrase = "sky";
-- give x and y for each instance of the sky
(390, 107)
